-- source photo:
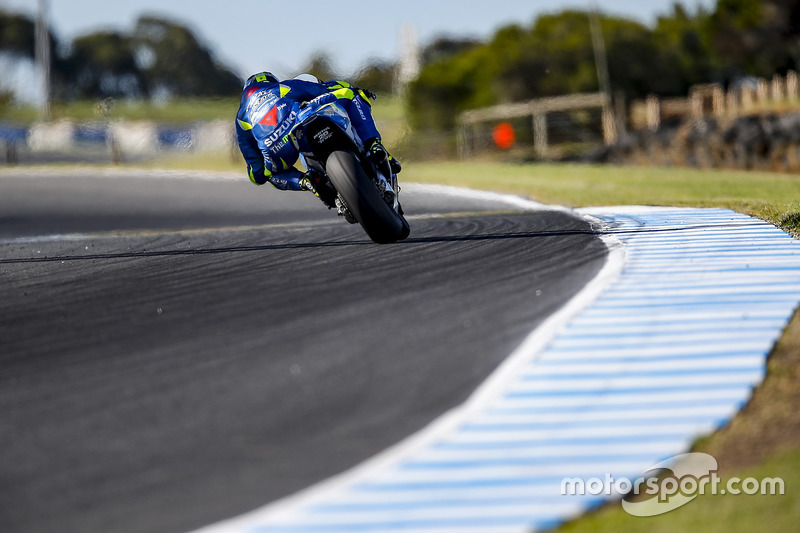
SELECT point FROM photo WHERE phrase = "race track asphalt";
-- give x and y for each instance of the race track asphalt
(177, 351)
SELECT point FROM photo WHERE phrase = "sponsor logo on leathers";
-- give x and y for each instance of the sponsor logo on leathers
(284, 128)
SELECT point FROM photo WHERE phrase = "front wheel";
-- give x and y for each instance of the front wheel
(381, 222)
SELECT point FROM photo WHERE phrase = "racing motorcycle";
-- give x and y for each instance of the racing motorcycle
(365, 192)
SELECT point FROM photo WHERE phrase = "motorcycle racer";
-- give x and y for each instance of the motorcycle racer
(268, 111)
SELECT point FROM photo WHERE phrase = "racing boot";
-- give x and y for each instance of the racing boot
(315, 182)
(377, 152)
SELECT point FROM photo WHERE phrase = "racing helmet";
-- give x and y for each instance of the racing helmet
(262, 77)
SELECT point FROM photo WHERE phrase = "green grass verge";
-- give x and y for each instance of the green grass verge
(770, 196)
(174, 112)
(388, 110)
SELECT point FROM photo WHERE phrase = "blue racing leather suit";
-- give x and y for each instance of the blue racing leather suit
(268, 111)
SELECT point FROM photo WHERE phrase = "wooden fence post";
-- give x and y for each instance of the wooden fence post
(791, 85)
(653, 112)
(540, 133)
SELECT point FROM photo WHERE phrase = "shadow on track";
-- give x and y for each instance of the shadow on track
(295, 246)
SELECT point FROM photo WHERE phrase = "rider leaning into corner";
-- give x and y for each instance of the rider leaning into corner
(265, 115)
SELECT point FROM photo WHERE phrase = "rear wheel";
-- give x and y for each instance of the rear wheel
(381, 222)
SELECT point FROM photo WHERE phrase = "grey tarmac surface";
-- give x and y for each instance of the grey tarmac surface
(188, 350)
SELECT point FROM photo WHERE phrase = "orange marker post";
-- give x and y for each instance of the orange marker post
(503, 136)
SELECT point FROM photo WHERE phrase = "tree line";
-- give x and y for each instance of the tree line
(554, 55)
(157, 58)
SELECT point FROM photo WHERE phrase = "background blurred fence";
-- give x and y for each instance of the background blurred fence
(575, 119)
(743, 97)
(753, 125)
(589, 126)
